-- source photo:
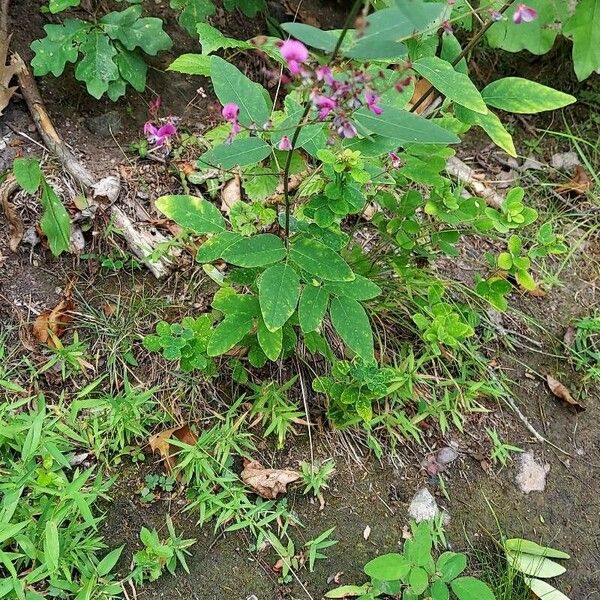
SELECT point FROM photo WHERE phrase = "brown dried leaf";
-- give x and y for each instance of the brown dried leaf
(422, 87)
(16, 228)
(267, 483)
(562, 393)
(231, 193)
(52, 323)
(579, 184)
(159, 442)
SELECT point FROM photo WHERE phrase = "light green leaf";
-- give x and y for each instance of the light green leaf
(193, 12)
(192, 212)
(418, 580)
(439, 590)
(241, 152)
(491, 124)
(360, 288)
(215, 246)
(352, 324)
(256, 251)
(259, 182)
(451, 565)
(469, 588)
(228, 333)
(404, 127)
(51, 546)
(347, 591)
(278, 292)
(55, 221)
(106, 565)
(537, 566)
(529, 547)
(271, 342)
(211, 40)
(56, 6)
(518, 95)
(388, 567)
(312, 307)
(454, 85)
(58, 48)
(135, 31)
(191, 64)
(312, 36)
(544, 590)
(319, 260)
(133, 68)
(97, 68)
(584, 29)
(231, 85)
(28, 174)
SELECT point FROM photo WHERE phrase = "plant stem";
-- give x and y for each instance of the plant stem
(286, 170)
(474, 40)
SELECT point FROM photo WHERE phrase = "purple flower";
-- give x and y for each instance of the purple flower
(447, 27)
(325, 105)
(347, 130)
(230, 112)
(395, 160)
(284, 143)
(294, 53)
(371, 98)
(495, 15)
(324, 74)
(524, 14)
(159, 136)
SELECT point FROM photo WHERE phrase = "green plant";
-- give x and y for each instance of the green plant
(316, 546)
(108, 52)
(316, 477)
(158, 554)
(154, 484)
(55, 221)
(501, 452)
(415, 574)
(586, 346)
(70, 358)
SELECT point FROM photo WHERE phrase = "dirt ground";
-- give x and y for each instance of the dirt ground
(363, 492)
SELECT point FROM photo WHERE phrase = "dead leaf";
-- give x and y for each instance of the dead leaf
(52, 323)
(537, 292)
(16, 228)
(7, 72)
(579, 184)
(267, 483)
(367, 533)
(569, 336)
(159, 442)
(562, 393)
(231, 193)
(422, 87)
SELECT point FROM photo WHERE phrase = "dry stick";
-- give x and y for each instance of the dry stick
(474, 41)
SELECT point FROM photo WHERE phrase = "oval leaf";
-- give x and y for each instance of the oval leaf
(191, 64)
(388, 567)
(451, 565)
(241, 152)
(192, 212)
(320, 260)
(536, 566)
(352, 324)
(215, 246)
(312, 307)
(518, 95)
(469, 588)
(256, 251)
(278, 292)
(271, 342)
(360, 288)
(228, 333)
(347, 591)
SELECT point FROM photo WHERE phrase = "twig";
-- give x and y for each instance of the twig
(457, 168)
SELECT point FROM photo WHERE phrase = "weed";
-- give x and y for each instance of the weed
(316, 546)
(154, 485)
(501, 452)
(316, 477)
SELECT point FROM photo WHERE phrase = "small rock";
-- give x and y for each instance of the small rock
(565, 160)
(423, 506)
(106, 125)
(446, 455)
(532, 474)
(532, 164)
(31, 237)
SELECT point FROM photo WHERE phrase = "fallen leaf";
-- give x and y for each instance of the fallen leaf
(579, 184)
(422, 87)
(267, 483)
(52, 323)
(562, 393)
(160, 443)
(16, 228)
(231, 193)
(569, 336)
(537, 291)
(367, 533)
(7, 72)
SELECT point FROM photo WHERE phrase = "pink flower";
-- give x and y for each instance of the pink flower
(294, 53)
(403, 83)
(325, 105)
(395, 160)
(230, 112)
(524, 14)
(371, 99)
(154, 106)
(347, 130)
(495, 15)
(159, 136)
(284, 143)
(447, 27)
(324, 74)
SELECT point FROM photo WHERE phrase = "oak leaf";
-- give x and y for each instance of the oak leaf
(267, 483)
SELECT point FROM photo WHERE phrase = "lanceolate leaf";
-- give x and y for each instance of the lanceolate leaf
(352, 324)
(278, 292)
(518, 95)
(271, 342)
(584, 28)
(529, 547)
(51, 546)
(491, 124)
(191, 64)
(544, 590)
(536, 566)
(228, 333)
(405, 127)
(312, 307)
(231, 85)
(312, 36)
(454, 85)
(256, 251)
(192, 212)
(241, 152)
(319, 260)
(55, 221)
